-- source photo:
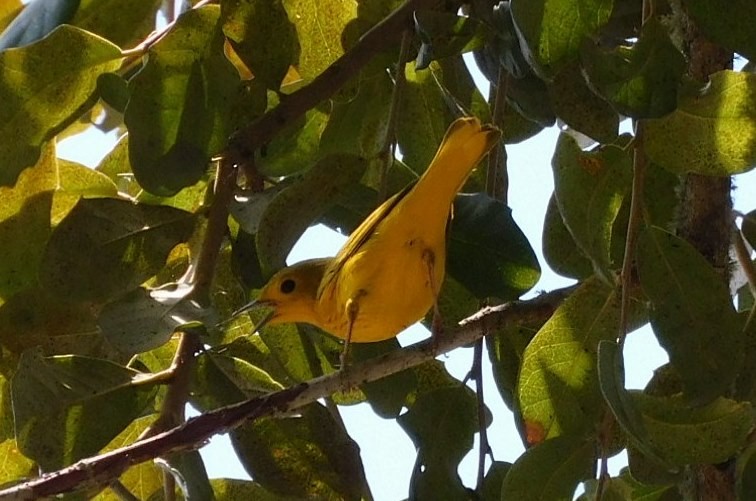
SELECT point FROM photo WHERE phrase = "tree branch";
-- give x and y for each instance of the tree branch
(247, 140)
(103, 469)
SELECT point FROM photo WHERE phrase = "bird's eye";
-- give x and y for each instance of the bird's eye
(288, 286)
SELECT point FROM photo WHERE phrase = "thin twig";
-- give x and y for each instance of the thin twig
(633, 228)
(497, 179)
(484, 447)
(388, 151)
(103, 469)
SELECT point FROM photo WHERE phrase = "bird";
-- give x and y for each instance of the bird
(388, 273)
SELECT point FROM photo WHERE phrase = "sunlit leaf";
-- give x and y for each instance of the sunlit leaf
(712, 132)
(320, 26)
(551, 31)
(43, 87)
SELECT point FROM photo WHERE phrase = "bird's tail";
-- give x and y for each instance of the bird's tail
(465, 143)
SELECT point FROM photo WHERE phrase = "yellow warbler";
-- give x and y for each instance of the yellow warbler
(388, 273)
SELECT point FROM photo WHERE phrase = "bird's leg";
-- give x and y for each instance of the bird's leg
(352, 308)
(437, 325)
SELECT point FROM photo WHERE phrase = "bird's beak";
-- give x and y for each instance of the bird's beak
(251, 306)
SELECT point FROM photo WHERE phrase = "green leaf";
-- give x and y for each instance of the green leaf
(69, 407)
(359, 126)
(558, 389)
(294, 209)
(692, 314)
(143, 480)
(181, 106)
(505, 351)
(550, 470)
(551, 31)
(106, 247)
(387, 396)
(577, 105)
(296, 147)
(493, 480)
(712, 131)
(320, 28)
(262, 36)
(611, 374)
(529, 96)
(445, 34)
(450, 413)
(683, 434)
(9, 10)
(142, 319)
(309, 456)
(231, 489)
(15, 466)
(726, 22)
(189, 472)
(40, 198)
(488, 253)
(589, 189)
(126, 24)
(642, 81)
(745, 473)
(35, 318)
(559, 248)
(36, 21)
(44, 87)
(627, 488)
(423, 117)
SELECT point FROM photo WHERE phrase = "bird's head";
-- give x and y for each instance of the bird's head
(291, 293)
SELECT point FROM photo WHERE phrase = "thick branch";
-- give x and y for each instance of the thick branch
(194, 433)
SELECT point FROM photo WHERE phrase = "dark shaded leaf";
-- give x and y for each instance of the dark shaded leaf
(309, 456)
(550, 470)
(294, 209)
(692, 314)
(559, 248)
(106, 247)
(177, 124)
(68, 408)
(444, 34)
(726, 22)
(441, 424)
(577, 106)
(262, 36)
(488, 253)
(682, 434)
(589, 189)
(123, 23)
(36, 21)
(142, 319)
(642, 81)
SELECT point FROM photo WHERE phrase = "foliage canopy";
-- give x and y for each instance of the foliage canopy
(114, 281)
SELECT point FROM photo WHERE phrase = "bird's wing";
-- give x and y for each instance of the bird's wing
(359, 237)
